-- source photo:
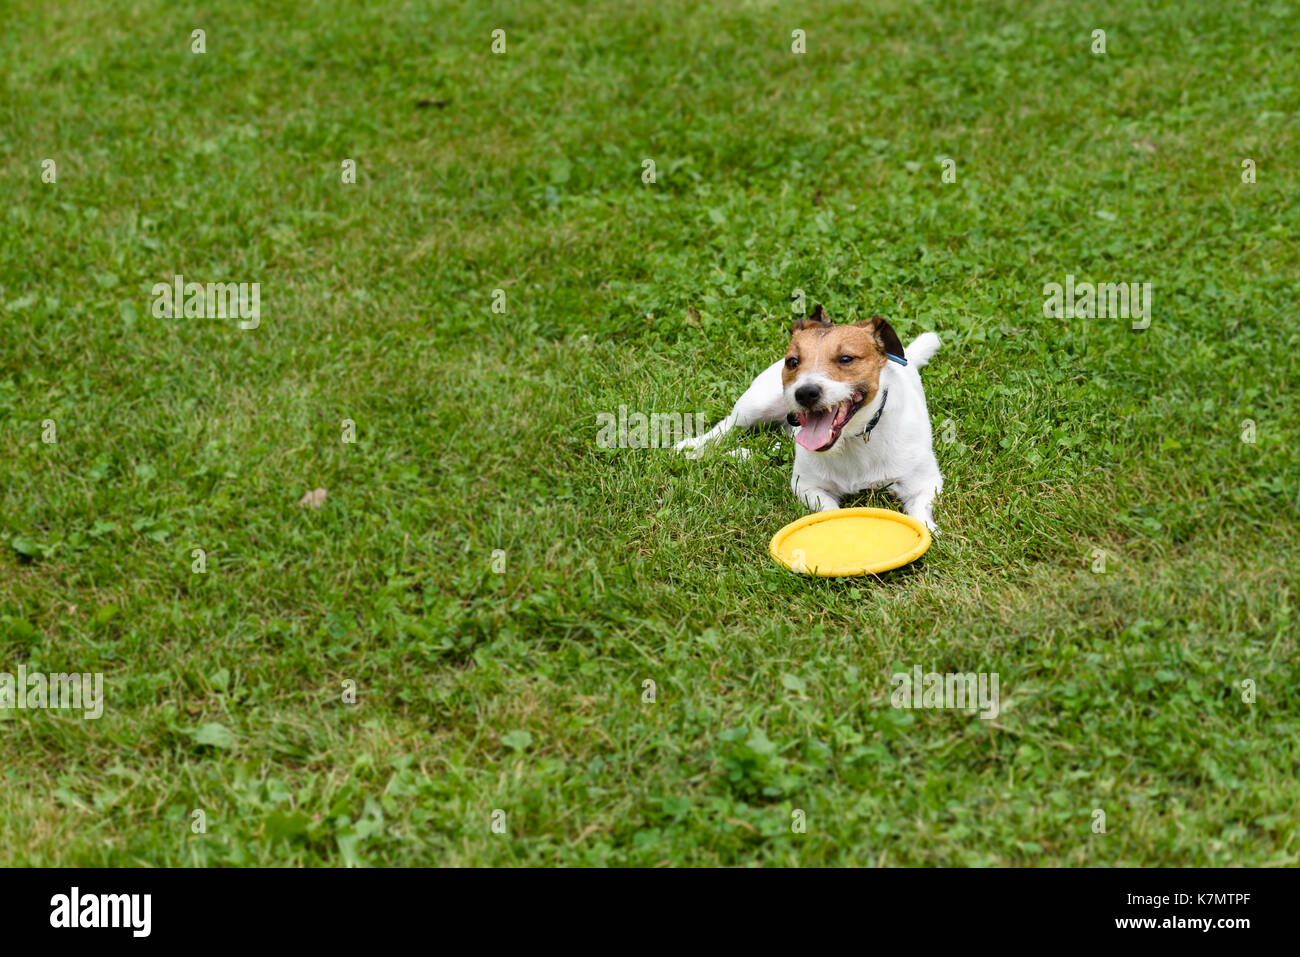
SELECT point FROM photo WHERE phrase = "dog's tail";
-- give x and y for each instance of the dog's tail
(922, 350)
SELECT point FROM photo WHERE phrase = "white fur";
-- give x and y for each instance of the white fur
(898, 453)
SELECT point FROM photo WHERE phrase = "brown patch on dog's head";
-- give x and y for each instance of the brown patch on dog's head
(817, 320)
(853, 354)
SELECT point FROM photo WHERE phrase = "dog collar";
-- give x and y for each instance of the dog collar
(866, 433)
(899, 359)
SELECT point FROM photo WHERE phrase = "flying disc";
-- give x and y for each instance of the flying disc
(850, 541)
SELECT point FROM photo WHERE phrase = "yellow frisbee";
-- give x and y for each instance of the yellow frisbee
(850, 541)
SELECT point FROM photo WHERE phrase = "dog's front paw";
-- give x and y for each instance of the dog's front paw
(691, 448)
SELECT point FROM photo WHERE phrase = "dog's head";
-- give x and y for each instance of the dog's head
(832, 373)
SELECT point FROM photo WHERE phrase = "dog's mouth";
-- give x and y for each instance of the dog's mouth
(820, 428)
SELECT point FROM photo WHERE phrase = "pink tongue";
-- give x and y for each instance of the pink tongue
(816, 431)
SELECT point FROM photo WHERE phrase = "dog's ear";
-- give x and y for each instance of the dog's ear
(885, 335)
(818, 318)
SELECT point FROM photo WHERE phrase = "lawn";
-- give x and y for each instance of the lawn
(445, 661)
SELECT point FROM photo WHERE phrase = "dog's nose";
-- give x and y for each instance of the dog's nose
(807, 394)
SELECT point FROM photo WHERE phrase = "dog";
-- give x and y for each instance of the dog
(853, 400)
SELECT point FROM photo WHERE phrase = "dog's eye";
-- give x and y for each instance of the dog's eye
(845, 360)
(792, 362)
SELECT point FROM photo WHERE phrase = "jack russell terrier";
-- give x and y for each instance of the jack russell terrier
(857, 409)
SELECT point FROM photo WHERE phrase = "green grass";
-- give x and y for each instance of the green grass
(522, 690)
